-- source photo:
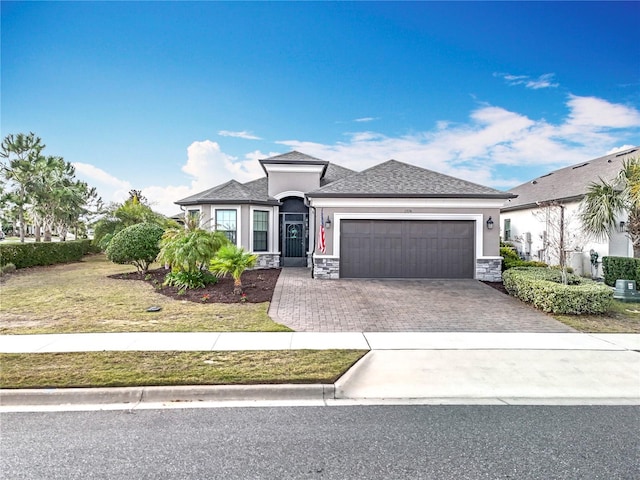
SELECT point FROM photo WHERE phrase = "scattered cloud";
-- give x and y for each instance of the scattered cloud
(623, 148)
(545, 80)
(243, 134)
(365, 119)
(110, 188)
(494, 147)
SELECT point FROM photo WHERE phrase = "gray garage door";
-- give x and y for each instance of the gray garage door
(406, 249)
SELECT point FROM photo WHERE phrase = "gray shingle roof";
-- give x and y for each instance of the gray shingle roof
(569, 183)
(233, 192)
(397, 179)
(334, 172)
(294, 156)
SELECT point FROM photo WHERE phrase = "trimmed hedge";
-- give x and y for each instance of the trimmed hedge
(616, 268)
(24, 255)
(511, 259)
(543, 288)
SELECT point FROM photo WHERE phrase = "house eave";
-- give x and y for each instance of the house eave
(229, 202)
(540, 204)
(501, 196)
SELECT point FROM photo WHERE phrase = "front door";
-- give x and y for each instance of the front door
(294, 244)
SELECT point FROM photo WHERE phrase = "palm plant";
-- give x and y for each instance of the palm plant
(605, 201)
(233, 260)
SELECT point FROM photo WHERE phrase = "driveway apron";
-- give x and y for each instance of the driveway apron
(372, 305)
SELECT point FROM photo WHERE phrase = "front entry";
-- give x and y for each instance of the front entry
(294, 236)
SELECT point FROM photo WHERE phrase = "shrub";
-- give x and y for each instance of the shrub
(183, 279)
(511, 259)
(136, 245)
(616, 268)
(542, 288)
(7, 269)
(190, 250)
(233, 260)
(24, 255)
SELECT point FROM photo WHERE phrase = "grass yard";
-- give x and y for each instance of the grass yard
(78, 297)
(621, 318)
(125, 369)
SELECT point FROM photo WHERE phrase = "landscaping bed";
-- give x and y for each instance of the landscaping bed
(258, 286)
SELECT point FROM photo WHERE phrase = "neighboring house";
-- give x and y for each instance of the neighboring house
(392, 220)
(531, 221)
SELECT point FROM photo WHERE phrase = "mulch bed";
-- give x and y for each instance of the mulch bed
(258, 286)
(498, 286)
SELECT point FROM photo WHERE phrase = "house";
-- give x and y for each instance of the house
(393, 220)
(531, 221)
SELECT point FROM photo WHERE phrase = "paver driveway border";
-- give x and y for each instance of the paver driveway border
(373, 305)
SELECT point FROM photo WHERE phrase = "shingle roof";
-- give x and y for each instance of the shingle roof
(294, 156)
(233, 192)
(568, 183)
(397, 179)
(334, 172)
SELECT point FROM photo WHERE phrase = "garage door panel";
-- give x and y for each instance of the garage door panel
(407, 249)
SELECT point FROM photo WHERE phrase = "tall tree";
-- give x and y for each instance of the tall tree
(606, 201)
(19, 154)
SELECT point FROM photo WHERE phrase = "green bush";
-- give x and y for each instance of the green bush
(183, 279)
(32, 254)
(543, 288)
(511, 259)
(136, 245)
(616, 268)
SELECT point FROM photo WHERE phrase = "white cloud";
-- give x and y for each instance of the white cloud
(365, 119)
(492, 147)
(543, 81)
(243, 134)
(110, 188)
(620, 149)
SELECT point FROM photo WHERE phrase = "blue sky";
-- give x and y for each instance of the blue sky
(176, 97)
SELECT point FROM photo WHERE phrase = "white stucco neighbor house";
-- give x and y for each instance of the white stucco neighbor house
(531, 221)
(393, 220)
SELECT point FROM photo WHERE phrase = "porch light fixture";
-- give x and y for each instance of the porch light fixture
(327, 222)
(489, 224)
(622, 226)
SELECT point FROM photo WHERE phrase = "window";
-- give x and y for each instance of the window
(226, 222)
(260, 230)
(507, 229)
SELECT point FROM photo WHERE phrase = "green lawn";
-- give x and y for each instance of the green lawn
(621, 318)
(125, 369)
(78, 297)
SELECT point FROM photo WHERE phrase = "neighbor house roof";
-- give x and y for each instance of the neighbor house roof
(568, 183)
(397, 179)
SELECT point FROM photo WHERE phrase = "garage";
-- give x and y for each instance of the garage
(407, 249)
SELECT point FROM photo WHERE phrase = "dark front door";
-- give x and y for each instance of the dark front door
(293, 242)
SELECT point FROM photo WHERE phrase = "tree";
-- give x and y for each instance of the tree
(118, 216)
(20, 153)
(233, 260)
(606, 201)
(136, 245)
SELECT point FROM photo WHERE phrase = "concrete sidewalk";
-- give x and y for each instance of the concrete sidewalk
(423, 367)
(227, 341)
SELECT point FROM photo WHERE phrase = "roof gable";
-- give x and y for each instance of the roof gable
(397, 179)
(233, 192)
(569, 183)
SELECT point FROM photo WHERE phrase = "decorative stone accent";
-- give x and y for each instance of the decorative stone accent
(489, 269)
(267, 260)
(326, 268)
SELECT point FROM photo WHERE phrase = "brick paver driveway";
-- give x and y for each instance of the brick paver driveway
(308, 305)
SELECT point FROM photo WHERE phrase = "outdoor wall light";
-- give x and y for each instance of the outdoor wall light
(622, 226)
(489, 224)
(327, 222)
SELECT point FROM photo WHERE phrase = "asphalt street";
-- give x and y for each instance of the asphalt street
(371, 442)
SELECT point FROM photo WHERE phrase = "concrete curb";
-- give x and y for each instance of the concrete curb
(139, 395)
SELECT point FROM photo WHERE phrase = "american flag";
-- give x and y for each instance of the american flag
(322, 246)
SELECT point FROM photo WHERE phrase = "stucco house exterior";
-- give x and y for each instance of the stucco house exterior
(393, 220)
(531, 220)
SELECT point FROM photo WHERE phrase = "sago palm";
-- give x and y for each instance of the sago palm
(233, 260)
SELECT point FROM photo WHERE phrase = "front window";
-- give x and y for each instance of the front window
(260, 230)
(226, 222)
(507, 229)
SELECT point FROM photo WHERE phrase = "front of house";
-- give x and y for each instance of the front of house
(531, 221)
(393, 220)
